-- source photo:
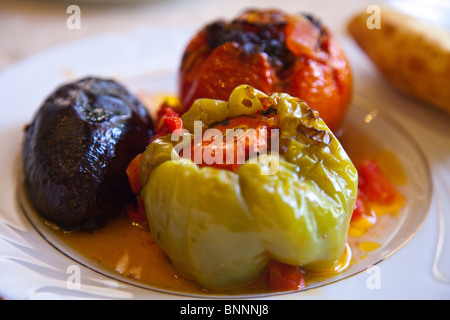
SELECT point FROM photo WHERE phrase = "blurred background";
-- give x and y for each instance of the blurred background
(30, 26)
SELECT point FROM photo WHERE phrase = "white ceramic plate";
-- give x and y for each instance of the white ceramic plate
(35, 265)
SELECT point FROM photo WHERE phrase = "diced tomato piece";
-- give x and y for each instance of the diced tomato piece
(134, 175)
(284, 277)
(374, 183)
(173, 123)
(309, 64)
(363, 209)
(194, 55)
(168, 121)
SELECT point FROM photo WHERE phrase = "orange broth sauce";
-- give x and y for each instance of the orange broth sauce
(131, 251)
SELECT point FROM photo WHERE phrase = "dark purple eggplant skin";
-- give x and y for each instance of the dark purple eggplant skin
(76, 151)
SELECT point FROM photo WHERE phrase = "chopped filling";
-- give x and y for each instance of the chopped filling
(232, 142)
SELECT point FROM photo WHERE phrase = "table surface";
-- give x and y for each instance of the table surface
(30, 26)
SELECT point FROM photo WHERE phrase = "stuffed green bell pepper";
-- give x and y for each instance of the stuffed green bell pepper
(285, 194)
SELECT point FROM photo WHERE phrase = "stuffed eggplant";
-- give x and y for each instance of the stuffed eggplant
(76, 151)
(274, 52)
(289, 200)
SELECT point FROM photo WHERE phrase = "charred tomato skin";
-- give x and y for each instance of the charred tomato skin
(273, 52)
(76, 150)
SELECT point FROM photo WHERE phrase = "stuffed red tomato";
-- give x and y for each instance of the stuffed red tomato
(273, 52)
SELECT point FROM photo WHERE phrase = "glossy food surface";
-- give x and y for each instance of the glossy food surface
(76, 151)
(293, 206)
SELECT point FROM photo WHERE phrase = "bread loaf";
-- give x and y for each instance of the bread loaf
(411, 54)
